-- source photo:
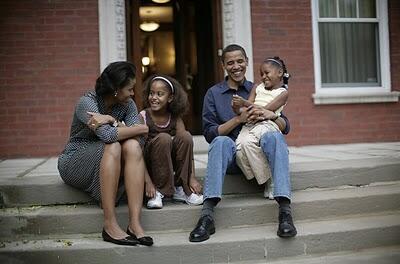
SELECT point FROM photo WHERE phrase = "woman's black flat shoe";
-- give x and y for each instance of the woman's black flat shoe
(127, 241)
(146, 240)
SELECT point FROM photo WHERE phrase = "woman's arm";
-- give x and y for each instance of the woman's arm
(132, 131)
(96, 120)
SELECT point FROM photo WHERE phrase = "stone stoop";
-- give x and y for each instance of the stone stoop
(346, 207)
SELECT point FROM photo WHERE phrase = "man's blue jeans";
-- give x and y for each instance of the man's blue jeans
(222, 160)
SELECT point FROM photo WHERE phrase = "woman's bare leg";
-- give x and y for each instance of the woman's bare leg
(134, 172)
(110, 169)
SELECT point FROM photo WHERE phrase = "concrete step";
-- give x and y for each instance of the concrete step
(227, 245)
(40, 183)
(234, 210)
(381, 255)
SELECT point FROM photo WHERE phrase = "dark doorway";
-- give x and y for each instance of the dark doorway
(184, 45)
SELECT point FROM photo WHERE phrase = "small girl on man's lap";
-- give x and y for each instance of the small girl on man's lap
(271, 95)
(169, 147)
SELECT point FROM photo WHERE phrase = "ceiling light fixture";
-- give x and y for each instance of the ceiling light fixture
(149, 26)
(160, 1)
(145, 61)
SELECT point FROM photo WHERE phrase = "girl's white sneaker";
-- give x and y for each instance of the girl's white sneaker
(156, 201)
(193, 199)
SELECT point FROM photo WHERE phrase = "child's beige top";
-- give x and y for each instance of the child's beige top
(264, 96)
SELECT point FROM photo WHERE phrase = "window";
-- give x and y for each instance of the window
(351, 51)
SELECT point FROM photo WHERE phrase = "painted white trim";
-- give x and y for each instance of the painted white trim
(381, 93)
(355, 98)
(236, 24)
(112, 32)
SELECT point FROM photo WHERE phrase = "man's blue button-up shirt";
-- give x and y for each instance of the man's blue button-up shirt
(217, 108)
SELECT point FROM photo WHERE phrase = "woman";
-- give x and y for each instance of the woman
(105, 142)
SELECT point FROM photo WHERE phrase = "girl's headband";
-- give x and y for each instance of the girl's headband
(276, 61)
(165, 80)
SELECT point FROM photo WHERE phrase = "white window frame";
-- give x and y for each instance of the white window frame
(362, 94)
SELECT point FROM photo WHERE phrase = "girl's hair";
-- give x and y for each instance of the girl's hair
(279, 63)
(114, 77)
(179, 104)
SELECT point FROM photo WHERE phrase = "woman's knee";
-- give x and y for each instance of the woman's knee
(113, 150)
(131, 148)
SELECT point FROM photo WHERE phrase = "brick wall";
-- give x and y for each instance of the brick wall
(49, 55)
(284, 28)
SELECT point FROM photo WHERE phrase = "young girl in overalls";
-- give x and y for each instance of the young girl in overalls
(169, 147)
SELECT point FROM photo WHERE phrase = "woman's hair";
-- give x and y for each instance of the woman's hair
(278, 62)
(179, 104)
(114, 77)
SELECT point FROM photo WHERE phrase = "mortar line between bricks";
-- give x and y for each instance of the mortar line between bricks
(22, 174)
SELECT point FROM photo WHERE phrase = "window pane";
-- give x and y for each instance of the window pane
(349, 54)
(367, 8)
(348, 8)
(327, 8)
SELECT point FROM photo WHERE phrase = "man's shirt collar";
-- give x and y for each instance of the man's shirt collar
(246, 85)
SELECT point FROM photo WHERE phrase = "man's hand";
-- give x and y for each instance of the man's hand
(244, 114)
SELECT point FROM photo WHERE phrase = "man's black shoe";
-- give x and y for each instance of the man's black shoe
(286, 227)
(204, 228)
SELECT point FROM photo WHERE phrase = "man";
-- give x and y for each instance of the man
(221, 127)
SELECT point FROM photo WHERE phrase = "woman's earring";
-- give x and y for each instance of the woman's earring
(115, 94)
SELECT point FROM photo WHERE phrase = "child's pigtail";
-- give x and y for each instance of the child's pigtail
(286, 75)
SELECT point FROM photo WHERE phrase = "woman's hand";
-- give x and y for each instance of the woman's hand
(97, 120)
(195, 185)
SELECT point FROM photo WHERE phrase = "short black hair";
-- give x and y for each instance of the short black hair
(179, 104)
(114, 77)
(230, 48)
